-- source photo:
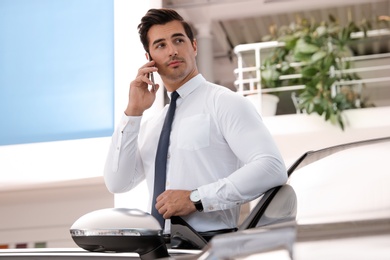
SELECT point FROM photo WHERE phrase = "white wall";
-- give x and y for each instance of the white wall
(296, 134)
(45, 213)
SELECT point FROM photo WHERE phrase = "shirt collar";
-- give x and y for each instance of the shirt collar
(189, 86)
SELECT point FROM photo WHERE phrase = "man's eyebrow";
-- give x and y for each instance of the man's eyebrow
(158, 41)
(177, 35)
(173, 36)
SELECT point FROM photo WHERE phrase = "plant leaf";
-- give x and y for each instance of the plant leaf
(303, 47)
(318, 56)
(308, 72)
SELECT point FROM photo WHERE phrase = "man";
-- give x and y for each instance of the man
(220, 153)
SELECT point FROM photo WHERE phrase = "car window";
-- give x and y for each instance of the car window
(283, 208)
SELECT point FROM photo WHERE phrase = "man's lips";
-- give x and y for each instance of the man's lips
(174, 63)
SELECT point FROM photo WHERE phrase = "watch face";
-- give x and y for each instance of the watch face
(194, 196)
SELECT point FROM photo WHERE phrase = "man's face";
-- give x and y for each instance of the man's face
(173, 53)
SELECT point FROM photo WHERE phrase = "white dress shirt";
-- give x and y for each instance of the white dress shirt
(218, 145)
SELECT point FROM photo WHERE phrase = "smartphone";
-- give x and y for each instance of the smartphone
(151, 74)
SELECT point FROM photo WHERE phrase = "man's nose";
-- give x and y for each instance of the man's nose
(172, 50)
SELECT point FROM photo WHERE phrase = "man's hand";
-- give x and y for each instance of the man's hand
(175, 203)
(140, 96)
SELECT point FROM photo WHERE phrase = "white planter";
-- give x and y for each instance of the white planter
(266, 104)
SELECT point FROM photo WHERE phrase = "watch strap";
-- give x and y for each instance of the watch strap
(199, 206)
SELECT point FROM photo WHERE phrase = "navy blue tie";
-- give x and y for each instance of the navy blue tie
(161, 157)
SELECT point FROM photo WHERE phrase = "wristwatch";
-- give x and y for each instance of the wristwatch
(195, 198)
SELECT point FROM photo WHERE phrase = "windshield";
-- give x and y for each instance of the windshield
(348, 185)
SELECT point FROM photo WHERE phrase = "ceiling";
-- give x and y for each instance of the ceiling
(234, 22)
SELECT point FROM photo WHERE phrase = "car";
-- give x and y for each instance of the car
(335, 205)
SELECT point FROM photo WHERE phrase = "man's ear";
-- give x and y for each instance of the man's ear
(195, 46)
(148, 57)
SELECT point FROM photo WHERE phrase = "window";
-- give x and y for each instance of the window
(56, 70)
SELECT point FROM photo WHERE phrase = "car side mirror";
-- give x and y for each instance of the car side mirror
(120, 230)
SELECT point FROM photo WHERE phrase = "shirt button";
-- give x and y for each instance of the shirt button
(211, 208)
(168, 155)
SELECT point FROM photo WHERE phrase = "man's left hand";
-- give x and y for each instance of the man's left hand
(174, 203)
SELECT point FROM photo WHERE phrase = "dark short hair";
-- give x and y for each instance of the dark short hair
(160, 17)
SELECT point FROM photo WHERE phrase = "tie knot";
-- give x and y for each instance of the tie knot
(174, 96)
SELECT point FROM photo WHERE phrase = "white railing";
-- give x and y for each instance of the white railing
(248, 78)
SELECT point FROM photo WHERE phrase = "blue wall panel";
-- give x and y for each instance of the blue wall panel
(56, 70)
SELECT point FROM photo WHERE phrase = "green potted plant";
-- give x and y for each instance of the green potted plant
(316, 53)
